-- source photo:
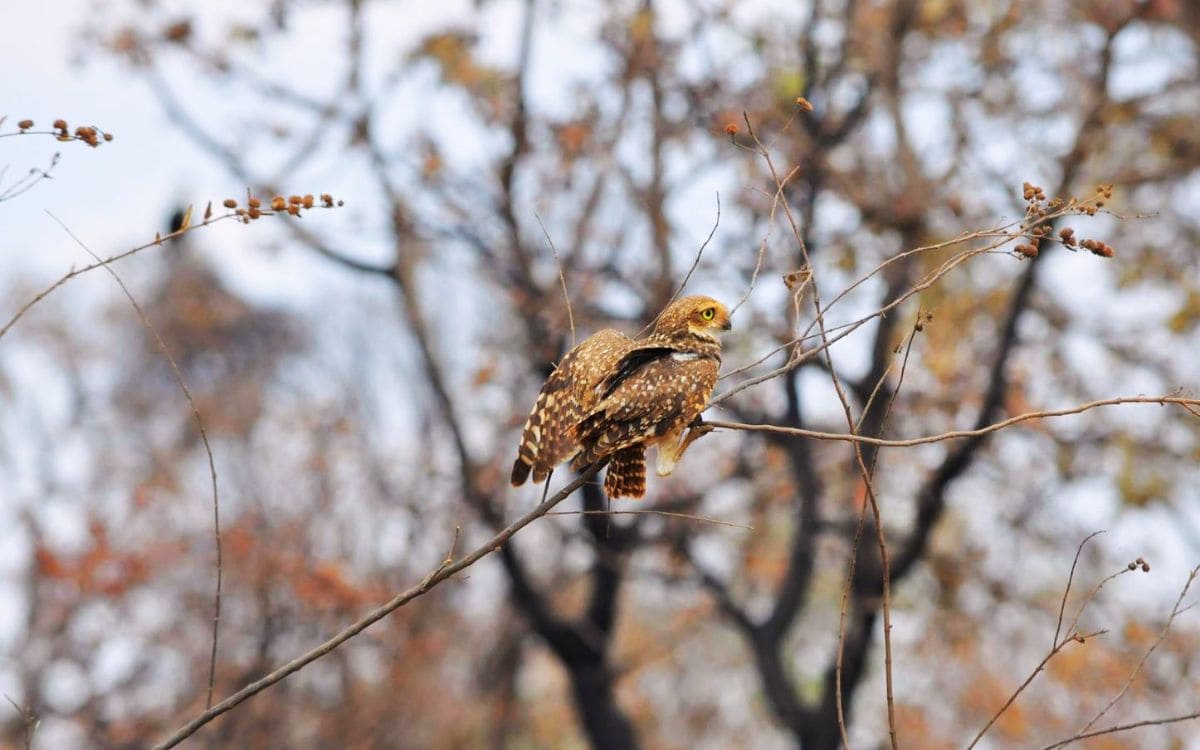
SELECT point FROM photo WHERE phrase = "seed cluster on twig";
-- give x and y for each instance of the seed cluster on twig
(291, 205)
(89, 134)
(1040, 212)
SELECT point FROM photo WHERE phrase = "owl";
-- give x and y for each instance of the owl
(612, 397)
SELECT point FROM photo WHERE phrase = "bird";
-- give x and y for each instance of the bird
(612, 396)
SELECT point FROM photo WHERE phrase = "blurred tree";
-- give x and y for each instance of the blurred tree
(358, 430)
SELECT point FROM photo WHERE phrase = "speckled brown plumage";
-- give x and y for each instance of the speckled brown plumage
(611, 397)
(567, 396)
(626, 473)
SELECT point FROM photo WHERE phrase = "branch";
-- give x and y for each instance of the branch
(793, 589)
(1073, 638)
(158, 240)
(1175, 612)
(957, 434)
(212, 465)
(1055, 647)
(440, 574)
(562, 278)
(1062, 607)
(1125, 728)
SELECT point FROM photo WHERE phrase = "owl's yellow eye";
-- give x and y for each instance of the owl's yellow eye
(708, 313)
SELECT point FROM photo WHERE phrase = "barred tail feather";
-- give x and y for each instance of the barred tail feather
(587, 456)
(627, 473)
(520, 471)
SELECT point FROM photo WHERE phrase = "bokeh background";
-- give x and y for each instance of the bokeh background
(362, 372)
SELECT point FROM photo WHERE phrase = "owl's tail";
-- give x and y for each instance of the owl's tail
(520, 471)
(627, 473)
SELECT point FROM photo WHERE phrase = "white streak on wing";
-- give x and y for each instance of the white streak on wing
(684, 356)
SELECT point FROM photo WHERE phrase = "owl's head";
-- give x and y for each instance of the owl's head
(702, 316)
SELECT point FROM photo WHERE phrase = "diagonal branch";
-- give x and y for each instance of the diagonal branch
(440, 574)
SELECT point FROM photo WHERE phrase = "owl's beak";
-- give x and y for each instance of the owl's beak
(728, 326)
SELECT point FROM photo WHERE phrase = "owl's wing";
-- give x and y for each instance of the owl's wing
(661, 396)
(570, 392)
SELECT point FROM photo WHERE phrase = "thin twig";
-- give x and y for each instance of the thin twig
(28, 181)
(1070, 578)
(111, 259)
(561, 276)
(843, 611)
(29, 718)
(1175, 612)
(440, 574)
(846, 329)
(1087, 600)
(1125, 728)
(1032, 675)
(446, 561)
(212, 466)
(1002, 235)
(885, 565)
(648, 512)
(688, 276)
(762, 246)
(956, 434)
(1057, 645)
(1073, 635)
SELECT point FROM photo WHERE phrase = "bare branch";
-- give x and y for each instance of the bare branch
(212, 465)
(1070, 578)
(440, 574)
(1175, 612)
(957, 434)
(651, 512)
(103, 263)
(1082, 638)
(1125, 728)
(562, 279)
